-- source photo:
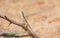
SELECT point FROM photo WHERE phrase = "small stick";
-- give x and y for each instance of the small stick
(29, 28)
(26, 28)
(13, 35)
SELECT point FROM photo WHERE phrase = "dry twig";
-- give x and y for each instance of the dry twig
(6, 34)
(26, 27)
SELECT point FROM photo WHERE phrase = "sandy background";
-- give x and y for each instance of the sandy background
(42, 15)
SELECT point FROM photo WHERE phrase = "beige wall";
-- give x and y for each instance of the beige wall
(42, 15)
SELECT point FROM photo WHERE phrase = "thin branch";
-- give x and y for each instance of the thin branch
(11, 21)
(27, 24)
(27, 28)
(30, 31)
(12, 35)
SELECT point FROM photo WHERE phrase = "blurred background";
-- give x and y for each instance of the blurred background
(42, 15)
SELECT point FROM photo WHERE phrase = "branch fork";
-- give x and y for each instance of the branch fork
(25, 26)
